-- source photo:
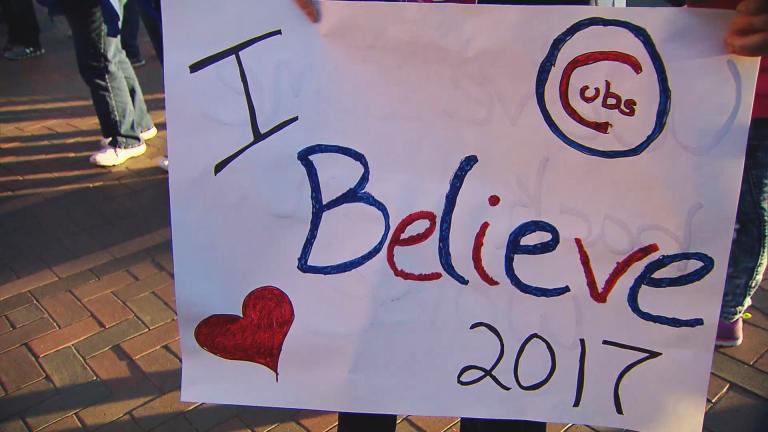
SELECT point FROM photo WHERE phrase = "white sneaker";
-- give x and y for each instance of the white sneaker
(149, 133)
(111, 156)
(146, 135)
(164, 163)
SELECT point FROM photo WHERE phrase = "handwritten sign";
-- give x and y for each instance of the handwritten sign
(454, 210)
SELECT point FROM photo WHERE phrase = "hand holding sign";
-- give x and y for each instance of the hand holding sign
(748, 33)
(309, 9)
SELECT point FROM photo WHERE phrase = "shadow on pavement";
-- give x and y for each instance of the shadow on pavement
(106, 404)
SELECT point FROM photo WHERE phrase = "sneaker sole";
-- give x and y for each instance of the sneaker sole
(135, 153)
(149, 134)
(729, 343)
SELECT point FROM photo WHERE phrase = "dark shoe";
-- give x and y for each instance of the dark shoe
(21, 53)
(137, 62)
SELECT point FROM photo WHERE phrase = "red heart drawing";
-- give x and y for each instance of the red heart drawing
(257, 336)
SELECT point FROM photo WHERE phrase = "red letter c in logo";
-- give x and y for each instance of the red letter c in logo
(585, 60)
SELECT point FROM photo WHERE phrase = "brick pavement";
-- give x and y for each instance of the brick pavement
(88, 336)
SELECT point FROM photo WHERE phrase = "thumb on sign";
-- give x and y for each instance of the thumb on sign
(309, 9)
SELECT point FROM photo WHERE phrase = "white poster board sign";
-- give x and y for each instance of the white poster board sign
(449, 210)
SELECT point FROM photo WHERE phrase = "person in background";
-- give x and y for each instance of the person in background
(129, 34)
(115, 90)
(23, 30)
(747, 36)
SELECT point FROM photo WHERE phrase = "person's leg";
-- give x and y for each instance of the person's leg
(26, 31)
(352, 422)
(31, 32)
(129, 32)
(103, 66)
(140, 112)
(12, 22)
(491, 425)
(153, 24)
(23, 30)
(747, 260)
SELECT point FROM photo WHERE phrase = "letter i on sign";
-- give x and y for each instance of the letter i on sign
(258, 135)
(477, 247)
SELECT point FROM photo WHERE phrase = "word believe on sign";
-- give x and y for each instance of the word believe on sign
(374, 236)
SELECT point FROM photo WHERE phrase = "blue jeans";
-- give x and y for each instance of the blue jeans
(104, 67)
(748, 250)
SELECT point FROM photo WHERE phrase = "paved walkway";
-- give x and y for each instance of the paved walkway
(88, 336)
